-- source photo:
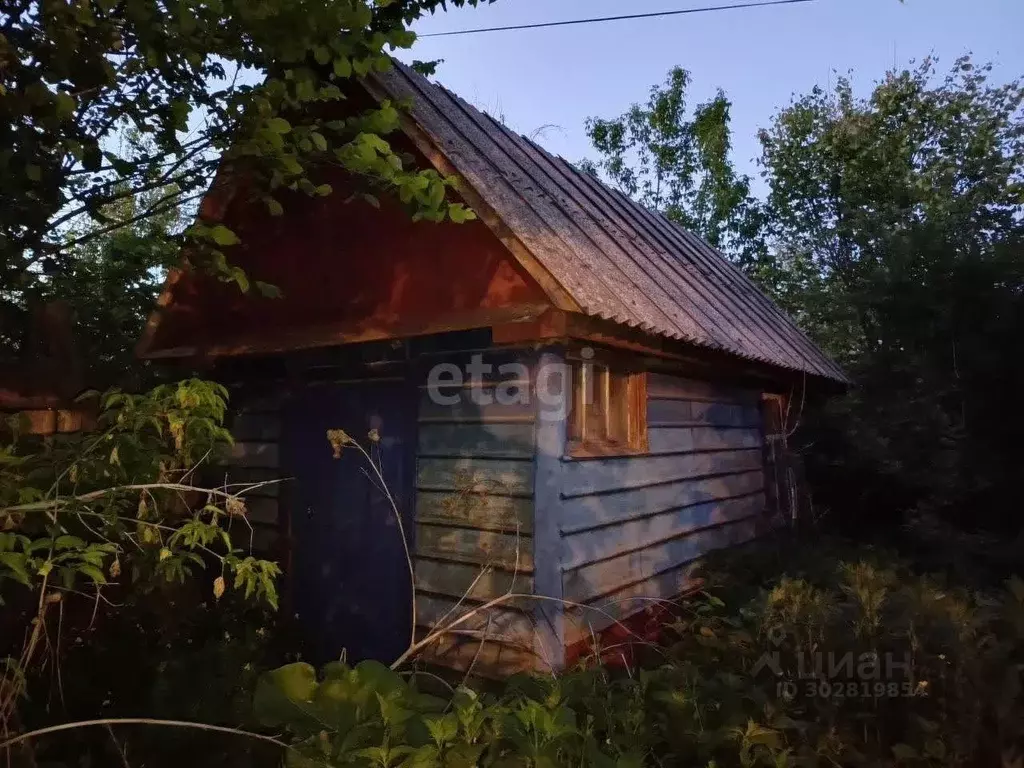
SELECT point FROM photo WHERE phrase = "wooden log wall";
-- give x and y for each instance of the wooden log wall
(474, 523)
(632, 527)
(255, 458)
(47, 421)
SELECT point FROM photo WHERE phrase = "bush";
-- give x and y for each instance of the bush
(126, 588)
(843, 657)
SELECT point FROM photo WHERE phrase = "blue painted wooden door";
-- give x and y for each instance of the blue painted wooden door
(350, 581)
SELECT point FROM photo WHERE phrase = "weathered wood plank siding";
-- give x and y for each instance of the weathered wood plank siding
(255, 425)
(632, 527)
(474, 520)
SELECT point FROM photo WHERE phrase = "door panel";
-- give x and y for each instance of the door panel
(350, 580)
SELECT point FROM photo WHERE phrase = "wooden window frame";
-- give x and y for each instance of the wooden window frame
(633, 411)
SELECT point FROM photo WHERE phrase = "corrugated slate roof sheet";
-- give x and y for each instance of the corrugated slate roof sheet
(616, 259)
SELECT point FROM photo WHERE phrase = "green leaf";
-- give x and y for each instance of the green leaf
(318, 141)
(290, 165)
(66, 105)
(180, 110)
(283, 695)
(342, 66)
(17, 564)
(240, 278)
(426, 756)
(459, 213)
(462, 755)
(279, 125)
(223, 236)
(436, 194)
(426, 68)
(94, 573)
(379, 677)
(443, 729)
(713, 600)
(68, 542)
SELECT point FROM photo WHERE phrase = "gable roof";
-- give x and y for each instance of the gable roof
(612, 257)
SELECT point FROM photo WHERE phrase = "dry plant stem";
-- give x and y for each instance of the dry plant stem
(469, 590)
(158, 527)
(796, 424)
(109, 721)
(42, 506)
(483, 572)
(479, 650)
(11, 692)
(88, 449)
(431, 675)
(401, 531)
(415, 648)
(121, 751)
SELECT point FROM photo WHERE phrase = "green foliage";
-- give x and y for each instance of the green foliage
(170, 653)
(82, 506)
(752, 672)
(370, 716)
(881, 659)
(110, 283)
(114, 114)
(898, 228)
(116, 508)
(893, 233)
(679, 165)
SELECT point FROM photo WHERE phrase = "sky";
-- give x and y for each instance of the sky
(551, 80)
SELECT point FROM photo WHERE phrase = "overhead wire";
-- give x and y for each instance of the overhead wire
(624, 17)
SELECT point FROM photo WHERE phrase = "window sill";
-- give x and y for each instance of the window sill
(601, 451)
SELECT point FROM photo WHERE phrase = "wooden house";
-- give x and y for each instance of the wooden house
(575, 399)
(39, 387)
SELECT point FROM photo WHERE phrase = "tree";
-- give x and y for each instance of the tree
(114, 115)
(679, 165)
(105, 101)
(111, 283)
(897, 225)
(893, 233)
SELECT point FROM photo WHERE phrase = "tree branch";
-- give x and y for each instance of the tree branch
(149, 212)
(85, 498)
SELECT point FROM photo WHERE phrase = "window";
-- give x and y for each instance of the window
(608, 414)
